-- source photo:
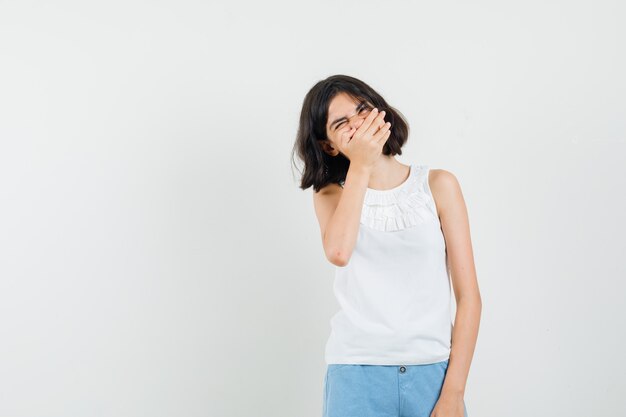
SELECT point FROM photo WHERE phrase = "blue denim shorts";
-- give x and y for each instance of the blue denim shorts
(383, 390)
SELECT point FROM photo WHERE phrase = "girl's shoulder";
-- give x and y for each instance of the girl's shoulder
(330, 188)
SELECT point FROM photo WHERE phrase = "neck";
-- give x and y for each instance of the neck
(387, 173)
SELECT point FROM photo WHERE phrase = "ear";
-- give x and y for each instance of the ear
(327, 147)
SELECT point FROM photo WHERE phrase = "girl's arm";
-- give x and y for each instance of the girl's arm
(455, 226)
(338, 211)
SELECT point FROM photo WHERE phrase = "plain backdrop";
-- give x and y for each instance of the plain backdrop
(158, 258)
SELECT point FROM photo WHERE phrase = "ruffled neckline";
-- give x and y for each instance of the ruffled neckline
(401, 207)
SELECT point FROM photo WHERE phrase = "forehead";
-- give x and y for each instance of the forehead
(341, 105)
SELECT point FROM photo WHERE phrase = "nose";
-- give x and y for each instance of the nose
(355, 121)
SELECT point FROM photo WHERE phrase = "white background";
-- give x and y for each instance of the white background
(157, 257)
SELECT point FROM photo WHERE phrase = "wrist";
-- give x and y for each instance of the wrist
(360, 168)
(455, 392)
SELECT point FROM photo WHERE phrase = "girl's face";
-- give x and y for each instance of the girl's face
(345, 115)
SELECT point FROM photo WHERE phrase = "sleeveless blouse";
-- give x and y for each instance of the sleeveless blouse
(394, 293)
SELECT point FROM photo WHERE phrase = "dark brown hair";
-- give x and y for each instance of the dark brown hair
(321, 169)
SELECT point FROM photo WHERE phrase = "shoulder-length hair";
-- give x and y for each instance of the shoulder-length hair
(321, 169)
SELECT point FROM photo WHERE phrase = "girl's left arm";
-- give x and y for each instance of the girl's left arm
(455, 227)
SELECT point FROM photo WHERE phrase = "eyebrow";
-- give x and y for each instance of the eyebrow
(362, 104)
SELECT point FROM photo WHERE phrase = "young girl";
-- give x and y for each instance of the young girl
(396, 234)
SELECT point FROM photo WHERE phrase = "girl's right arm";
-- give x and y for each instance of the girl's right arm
(339, 212)
(339, 209)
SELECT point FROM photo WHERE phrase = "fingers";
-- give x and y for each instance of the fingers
(367, 123)
(383, 133)
(346, 138)
(376, 124)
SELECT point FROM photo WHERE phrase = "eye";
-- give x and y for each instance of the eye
(364, 108)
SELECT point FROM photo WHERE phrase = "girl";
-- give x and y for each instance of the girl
(396, 234)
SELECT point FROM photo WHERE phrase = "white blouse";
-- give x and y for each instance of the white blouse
(394, 293)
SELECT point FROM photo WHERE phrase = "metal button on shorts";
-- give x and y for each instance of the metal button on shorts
(383, 390)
